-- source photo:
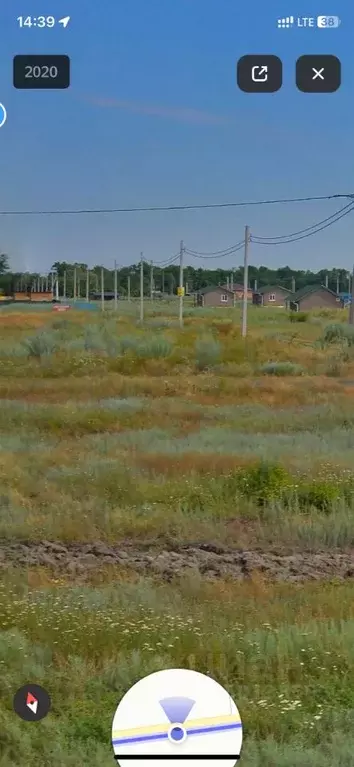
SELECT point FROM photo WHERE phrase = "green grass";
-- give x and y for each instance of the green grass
(112, 432)
(291, 681)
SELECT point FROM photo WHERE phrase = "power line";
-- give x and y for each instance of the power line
(226, 251)
(308, 228)
(166, 262)
(88, 211)
(229, 253)
(309, 234)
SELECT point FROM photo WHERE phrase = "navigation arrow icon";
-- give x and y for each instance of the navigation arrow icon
(64, 21)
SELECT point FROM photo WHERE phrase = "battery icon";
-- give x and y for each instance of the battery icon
(328, 22)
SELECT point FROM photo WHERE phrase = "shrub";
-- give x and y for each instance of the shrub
(338, 332)
(298, 317)
(93, 340)
(128, 344)
(320, 495)
(334, 368)
(154, 348)
(264, 482)
(281, 369)
(207, 353)
(40, 345)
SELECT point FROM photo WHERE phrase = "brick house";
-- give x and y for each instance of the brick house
(314, 297)
(271, 295)
(237, 289)
(214, 296)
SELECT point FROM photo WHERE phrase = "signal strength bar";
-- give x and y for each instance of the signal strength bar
(286, 22)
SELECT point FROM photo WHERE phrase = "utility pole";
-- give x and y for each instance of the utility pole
(57, 287)
(151, 281)
(115, 287)
(102, 288)
(163, 281)
(326, 281)
(64, 285)
(293, 285)
(87, 284)
(351, 305)
(129, 288)
(75, 283)
(337, 284)
(245, 283)
(181, 288)
(141, 288)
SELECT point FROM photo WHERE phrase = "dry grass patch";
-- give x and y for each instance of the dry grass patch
(190, 463)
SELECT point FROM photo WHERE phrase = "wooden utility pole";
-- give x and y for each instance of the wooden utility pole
(75, 279)
(87, 284)
(141, 288)
(102, 288)
(181, 288)
(351, 305)
(245, 283)
(115, 287)
(151, 281)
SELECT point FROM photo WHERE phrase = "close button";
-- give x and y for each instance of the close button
(318, 74)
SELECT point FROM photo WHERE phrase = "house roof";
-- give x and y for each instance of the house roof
(237, 286)
(213, 289)
(308, 290)
(270, 288)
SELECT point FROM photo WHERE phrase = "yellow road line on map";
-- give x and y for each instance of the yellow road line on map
(149, 729)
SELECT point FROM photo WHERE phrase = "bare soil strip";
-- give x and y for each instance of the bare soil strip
(209, 560)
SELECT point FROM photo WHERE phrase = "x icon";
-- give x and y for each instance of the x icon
(318, 73)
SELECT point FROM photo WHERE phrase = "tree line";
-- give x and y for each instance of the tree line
(166, 280)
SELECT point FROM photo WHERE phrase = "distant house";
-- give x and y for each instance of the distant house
(346, 298)
(214, 296)
(271, 295)
(314, 297)
(237, 289)
(108, 295)
(29, 296)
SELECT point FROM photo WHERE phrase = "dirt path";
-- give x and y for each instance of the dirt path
(209, 560)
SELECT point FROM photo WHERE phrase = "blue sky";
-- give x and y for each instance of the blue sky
(154, 117)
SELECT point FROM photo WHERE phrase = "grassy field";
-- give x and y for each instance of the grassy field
(177, 498)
